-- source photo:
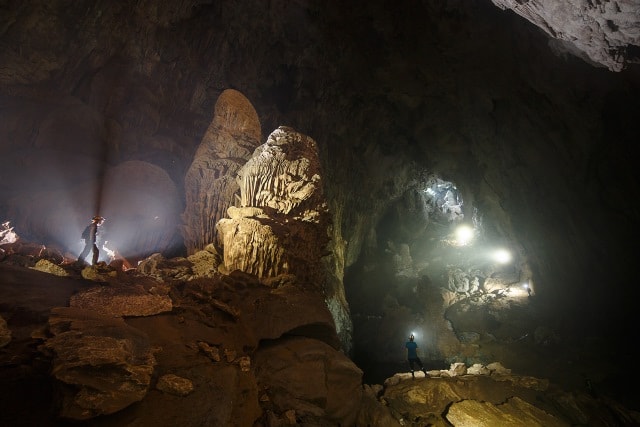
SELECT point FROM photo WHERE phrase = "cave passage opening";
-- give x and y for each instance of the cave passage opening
(427, 252)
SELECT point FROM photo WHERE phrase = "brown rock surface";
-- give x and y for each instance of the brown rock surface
(446, 96)
(287, 233)
(210, 182)
(317, 380)
(252, 353)
(104, 364)
(495, 400)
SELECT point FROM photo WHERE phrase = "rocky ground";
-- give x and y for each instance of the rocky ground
(96, 346)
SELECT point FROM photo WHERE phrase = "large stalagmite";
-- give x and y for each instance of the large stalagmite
(210, 183)
(281, 225)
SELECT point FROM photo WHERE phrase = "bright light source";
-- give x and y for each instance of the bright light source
(111, 253)
(464, 234)
(502, 256)
(7, 235)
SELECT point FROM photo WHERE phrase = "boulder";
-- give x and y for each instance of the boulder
(102, 365)
(310, 377)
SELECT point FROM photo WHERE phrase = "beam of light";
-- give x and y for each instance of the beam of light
(142, 207)
(417, 334)
(502, 256)
(519, 291)
(111, 253)
(463, 235)
(140, 201)
(102, 171)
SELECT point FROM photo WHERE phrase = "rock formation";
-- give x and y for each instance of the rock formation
(280, 226)
(417, 117)
(210, 183)
(233, 351)
(604, 33)
(102, 364)
(267, 316)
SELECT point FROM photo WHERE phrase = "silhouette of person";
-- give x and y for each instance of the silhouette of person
(90, 235)
(412, 356)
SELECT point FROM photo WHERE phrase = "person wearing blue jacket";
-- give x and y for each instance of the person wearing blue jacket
(412, 356)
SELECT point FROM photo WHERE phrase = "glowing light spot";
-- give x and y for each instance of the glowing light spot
(464, 235)
(111, 253)
(7, 235)
(502, 256)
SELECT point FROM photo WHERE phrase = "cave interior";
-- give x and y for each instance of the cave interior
(481, 180)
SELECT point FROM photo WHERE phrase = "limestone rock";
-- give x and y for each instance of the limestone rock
(315, 380)
(263, 354)
(104, 364)
(250, 245)
(174, 384)
(285, 232)
(99, 273)
(284, 174)
(372, 412)
(514, 412)
(245, 363)
(457, 369)
(478, 369)
(497, 368)
(601, 32)
(241, 301)
(166, 270)
(49, 267)
(427, 400)
(212, 352)
(205, 262)
(121, 301)
(210, 183)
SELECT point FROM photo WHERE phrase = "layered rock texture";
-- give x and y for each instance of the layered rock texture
(283, 184)
(210, 183)
(280, 226)
(605, 33)
(232, 351)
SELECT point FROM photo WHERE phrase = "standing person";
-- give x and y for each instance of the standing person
(412, 356)
(90, 235)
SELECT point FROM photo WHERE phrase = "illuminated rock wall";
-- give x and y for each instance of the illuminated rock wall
(210, 183)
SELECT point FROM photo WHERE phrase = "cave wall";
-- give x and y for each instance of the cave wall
(539, 144)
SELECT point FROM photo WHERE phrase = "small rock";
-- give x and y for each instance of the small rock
(174, 384)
